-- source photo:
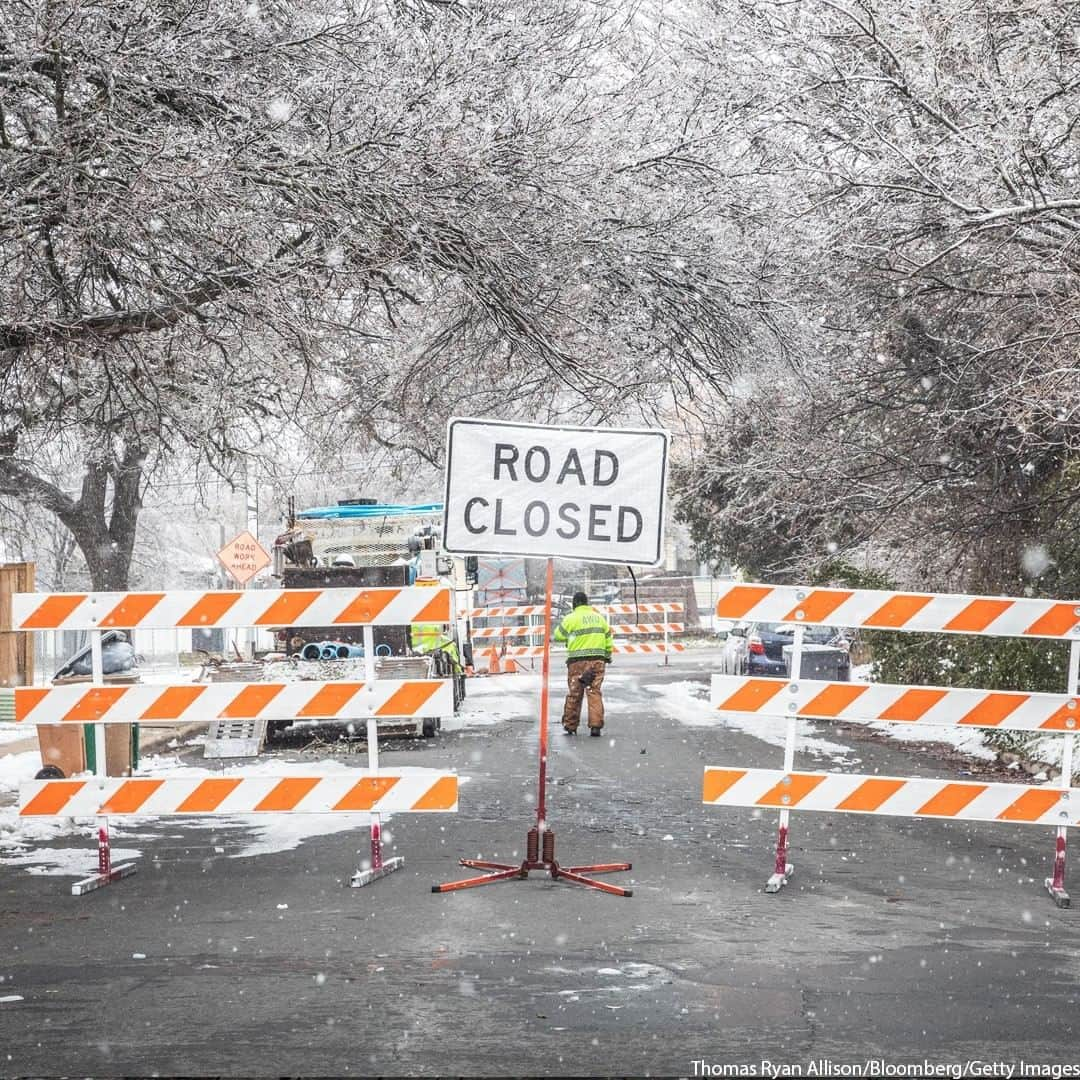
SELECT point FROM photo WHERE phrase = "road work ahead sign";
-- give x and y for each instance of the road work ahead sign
(569, 493)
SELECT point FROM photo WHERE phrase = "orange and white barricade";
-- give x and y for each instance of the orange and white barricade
(371, 792)
(928, 706)
(518, 640)
(197, 702)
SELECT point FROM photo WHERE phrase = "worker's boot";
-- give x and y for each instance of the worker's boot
(595, 732)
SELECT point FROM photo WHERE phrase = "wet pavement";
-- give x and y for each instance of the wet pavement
(908, 941)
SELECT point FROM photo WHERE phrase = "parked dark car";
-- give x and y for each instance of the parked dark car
(758, 649)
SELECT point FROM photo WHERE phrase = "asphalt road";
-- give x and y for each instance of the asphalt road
(907, 941)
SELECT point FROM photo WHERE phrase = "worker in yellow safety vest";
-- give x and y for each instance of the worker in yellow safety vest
(587, 635)
(432, 637)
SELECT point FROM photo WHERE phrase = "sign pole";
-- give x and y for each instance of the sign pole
(540, 842)
(545, 688)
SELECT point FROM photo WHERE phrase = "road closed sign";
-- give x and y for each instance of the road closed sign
(565, 492)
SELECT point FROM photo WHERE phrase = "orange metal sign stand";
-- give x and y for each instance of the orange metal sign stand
(540, 841)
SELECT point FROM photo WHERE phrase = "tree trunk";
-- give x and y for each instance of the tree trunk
(108, 542)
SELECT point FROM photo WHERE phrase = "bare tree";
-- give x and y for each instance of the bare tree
(221, 218)
(925, 166)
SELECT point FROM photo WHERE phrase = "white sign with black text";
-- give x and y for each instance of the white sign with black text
(570, 493)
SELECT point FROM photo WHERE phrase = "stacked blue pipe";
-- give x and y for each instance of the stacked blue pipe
(331, 650)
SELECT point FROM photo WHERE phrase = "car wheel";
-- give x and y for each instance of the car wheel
(430, 726)
(49, 772)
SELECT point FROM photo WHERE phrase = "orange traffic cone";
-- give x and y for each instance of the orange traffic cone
(510, 667)
(493, 662)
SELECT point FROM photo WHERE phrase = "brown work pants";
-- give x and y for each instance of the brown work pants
(571, 715)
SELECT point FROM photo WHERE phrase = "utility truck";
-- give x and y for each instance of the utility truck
(362, 543)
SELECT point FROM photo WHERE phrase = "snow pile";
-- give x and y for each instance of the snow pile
(688, 703)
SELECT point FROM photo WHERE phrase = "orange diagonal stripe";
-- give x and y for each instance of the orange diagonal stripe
(978, 615)
(717, 781)
(52, 612)
(870, 794)
(1056, 622)
(442, 795)
(251, 701)
(366, 606)
(437, 609)
(208, 796)
(1060, 721)
(287, 794)
(951, 799)
(129, 796)
(132, 609)
(740, 599)
(992, 709)
(833, 700)
(1031, 805)
(288, 607)
(209, 609)
(25, 700)
(752, 695)
(172, 703)
(408, 699)
(364, 794)
(818, 606)
(913, 704)
(798, 786)
(52, 798)
(94, 704)
(330, 699)
(897, 611)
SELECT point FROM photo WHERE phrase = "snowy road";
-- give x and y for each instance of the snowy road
(897, 939)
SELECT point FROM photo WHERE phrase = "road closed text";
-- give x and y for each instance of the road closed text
(576, 493)
(569, 520)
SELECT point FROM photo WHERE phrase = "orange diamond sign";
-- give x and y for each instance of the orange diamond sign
(244, 557)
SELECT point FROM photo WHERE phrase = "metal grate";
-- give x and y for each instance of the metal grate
(403, 667)
(234, 738)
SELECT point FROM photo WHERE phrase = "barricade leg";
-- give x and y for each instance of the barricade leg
(1055, 885)
(782, 869)
(106, 874)
(379, 867)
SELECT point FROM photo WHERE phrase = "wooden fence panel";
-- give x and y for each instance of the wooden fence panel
(16, 649)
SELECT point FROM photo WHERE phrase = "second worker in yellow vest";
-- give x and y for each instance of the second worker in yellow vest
(587, 635)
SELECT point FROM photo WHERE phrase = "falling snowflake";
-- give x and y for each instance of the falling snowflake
(279, 110)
